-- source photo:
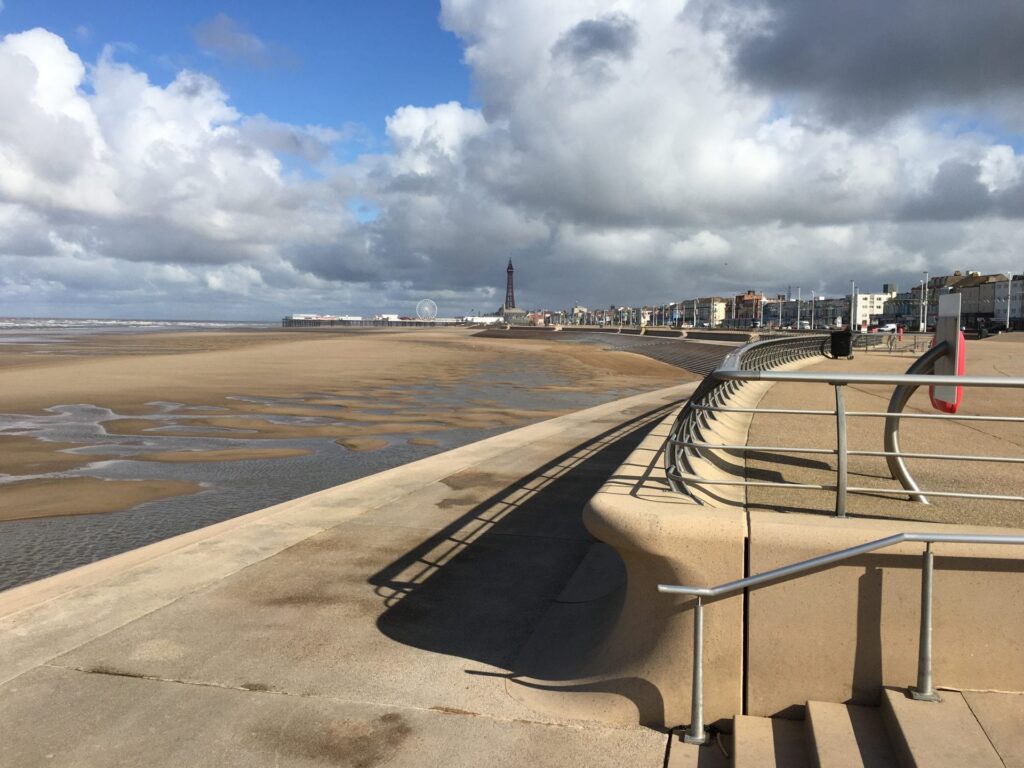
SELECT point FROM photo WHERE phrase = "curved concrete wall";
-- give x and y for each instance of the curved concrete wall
(836, 635)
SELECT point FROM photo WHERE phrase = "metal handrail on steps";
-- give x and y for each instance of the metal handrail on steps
(755, 362)
(924, 691)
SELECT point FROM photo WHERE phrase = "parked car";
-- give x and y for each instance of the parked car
(887, 328)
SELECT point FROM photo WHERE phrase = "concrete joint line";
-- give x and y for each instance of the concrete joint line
(438, 709)
(981, 726)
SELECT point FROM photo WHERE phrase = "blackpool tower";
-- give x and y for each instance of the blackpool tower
(510, 291)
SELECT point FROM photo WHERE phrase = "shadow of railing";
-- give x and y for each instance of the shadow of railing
(477, 587)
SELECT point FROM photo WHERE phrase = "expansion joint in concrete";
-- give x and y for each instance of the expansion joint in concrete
(983, 729)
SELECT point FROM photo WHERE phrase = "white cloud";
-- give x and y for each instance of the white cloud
(613, 154)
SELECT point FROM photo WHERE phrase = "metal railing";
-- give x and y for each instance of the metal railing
(925, 688)
(688, 440)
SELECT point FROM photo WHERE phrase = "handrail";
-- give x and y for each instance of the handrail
(924, 690)
(730, 587)
(831, 377)
(755, 361)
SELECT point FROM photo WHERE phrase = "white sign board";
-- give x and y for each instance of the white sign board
(947, 329)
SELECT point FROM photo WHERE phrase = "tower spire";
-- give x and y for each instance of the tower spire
(510, 293)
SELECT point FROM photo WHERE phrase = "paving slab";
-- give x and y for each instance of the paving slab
(441, 630)
(67, 719)
(1002, 717)
(936, 735)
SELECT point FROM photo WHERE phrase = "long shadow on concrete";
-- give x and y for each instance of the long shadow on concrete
(477, 588)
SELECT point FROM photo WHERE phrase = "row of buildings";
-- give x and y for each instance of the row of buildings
(986, 300)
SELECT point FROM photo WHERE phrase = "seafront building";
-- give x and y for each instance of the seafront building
(987, 300)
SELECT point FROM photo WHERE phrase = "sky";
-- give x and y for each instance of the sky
(240, 160)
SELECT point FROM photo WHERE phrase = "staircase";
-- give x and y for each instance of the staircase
(964, 730)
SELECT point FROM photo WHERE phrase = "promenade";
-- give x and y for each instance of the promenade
(373, 623)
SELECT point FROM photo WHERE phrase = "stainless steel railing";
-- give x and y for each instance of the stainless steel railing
(688, 440)
(925, 688)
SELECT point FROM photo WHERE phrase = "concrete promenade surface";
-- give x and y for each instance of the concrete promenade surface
(373, 623)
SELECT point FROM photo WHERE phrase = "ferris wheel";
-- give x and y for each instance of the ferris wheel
(426, 309)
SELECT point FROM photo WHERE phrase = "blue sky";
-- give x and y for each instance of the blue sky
(326, 63)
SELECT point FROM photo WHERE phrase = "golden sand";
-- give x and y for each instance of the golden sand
(82, 496)
(25, 455)
(359, 380)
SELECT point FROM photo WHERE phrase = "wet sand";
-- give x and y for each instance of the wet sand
(356, 388)
(82, 496)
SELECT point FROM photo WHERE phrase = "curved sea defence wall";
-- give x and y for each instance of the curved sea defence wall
(840, 634)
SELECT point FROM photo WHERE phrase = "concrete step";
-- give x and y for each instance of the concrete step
(769, 742)
(936, 735)
(847, 736)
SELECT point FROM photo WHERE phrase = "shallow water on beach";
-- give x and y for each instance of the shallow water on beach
(36, 548)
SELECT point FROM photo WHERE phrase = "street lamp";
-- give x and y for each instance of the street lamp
(853, 303)
(924, 304)
(1009, 295)
(812, 310)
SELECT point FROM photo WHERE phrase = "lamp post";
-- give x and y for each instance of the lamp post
(1009, 295)
(812, 310)
(924, 304)
(799, 308)
(853, 303)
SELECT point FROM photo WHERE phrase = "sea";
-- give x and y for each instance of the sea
(41, 330)
(37, 548)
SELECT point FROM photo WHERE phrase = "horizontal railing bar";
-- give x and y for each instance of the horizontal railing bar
(946, 416)
(921, 380)
(833, 451)
(947, 494)
(941, 456)
(727, 447)
(697, 480)
(880, 414)
(732, 409)
(814, 563)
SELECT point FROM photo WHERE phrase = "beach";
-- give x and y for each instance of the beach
(102, 423)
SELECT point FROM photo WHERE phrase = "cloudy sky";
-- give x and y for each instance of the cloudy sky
(244, 160)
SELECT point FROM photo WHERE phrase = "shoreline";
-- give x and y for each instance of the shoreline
(260, 415)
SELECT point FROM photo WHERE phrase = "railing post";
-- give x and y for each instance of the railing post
(925, 690)
(842, 471)
(695, 733)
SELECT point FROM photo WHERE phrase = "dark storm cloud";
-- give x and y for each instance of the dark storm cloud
(868, 60)
(611, 36)
(955, 193)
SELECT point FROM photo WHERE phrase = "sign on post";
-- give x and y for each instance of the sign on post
(946, 398)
